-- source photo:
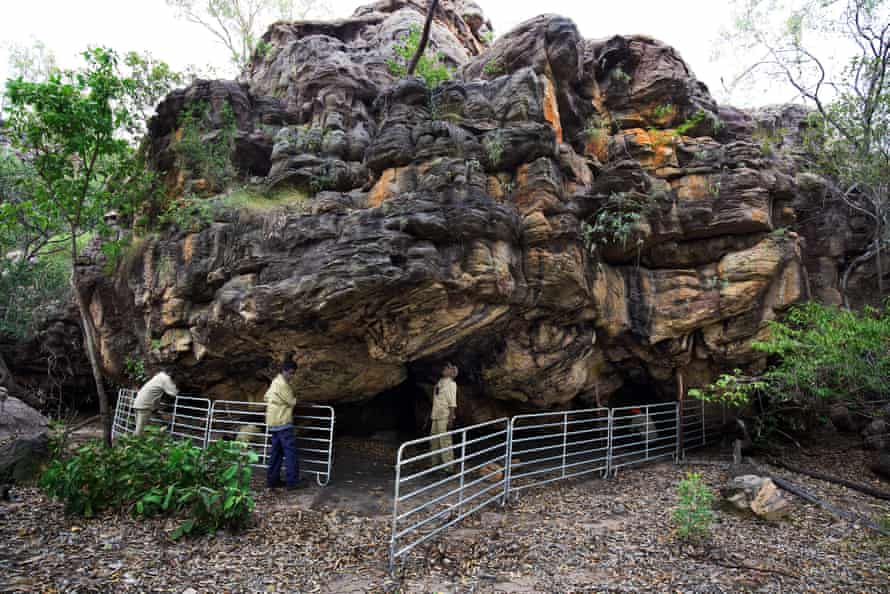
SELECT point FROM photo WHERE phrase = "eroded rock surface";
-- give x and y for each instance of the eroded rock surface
(564, 218)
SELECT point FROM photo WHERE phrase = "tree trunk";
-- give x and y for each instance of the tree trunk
(856, 263)
(89, 344)
(424, 37)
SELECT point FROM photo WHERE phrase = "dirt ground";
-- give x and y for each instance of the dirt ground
(589, 535)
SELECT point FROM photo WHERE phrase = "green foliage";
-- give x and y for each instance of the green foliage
(615, 221)
(693, 515)
(26, 287)
(206, 149)
(819, 354)
(693, 121)
(493, 68)
(135, 370)
(430, 67)
(262, 49)
(734, 389)
(494, 147)
(663, 111)
(156, 475)
(74, 128)
(826, 353)
(188, 213)
(488, 37)
(320, 183)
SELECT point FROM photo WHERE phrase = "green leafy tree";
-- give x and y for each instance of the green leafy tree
(238, 24)
(835, 56)
(71, 134)
(820, 354)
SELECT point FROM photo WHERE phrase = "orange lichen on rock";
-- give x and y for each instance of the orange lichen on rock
(551, 109)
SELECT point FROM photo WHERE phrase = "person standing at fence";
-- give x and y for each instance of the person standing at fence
(149, 396)
(442, 416)
(280, 401)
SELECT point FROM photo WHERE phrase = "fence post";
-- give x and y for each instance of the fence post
(173, 418)
(678, 447)
(609, 445)
(208, 423)
(508, 461)
(565, 434)
(395, 512)
(704, 425)
(646, 420)
(463, 454)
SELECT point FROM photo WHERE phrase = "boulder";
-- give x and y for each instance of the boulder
(23, 441)
(876, 435)
(758, 495)
(419, 225)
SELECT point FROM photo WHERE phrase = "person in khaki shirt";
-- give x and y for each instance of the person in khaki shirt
(149, 396)
(442, 416)
(280, 401)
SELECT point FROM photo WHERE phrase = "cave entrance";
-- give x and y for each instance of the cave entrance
(637, 391)
(366, 442)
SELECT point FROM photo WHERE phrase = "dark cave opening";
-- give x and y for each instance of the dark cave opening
(637, 391)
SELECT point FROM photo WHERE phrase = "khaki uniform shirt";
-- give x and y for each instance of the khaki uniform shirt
(280, 401)
(148, 396)
(444, 398)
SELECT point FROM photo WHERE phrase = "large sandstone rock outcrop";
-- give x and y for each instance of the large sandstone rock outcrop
(460, 223)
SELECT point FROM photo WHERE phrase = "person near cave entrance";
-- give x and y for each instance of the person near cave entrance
(280, 401)
(442, 416)
(149, 396)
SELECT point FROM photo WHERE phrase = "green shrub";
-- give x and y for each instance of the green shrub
(615, 221)
(429, 67)
(693, 515)
(134, 368)
(697, 118)
(205, 149)
(819, 354)
(154, 475)
(494, 147)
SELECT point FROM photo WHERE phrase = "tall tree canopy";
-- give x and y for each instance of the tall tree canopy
(73, 160)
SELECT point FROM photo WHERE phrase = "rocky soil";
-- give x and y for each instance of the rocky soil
(592, 536)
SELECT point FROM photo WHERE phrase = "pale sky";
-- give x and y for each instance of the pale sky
(67, 27)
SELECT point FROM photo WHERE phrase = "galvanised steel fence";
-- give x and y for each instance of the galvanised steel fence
(702, 423)
(245, 422)
(507, 456)
(124, 416)
(548, 447)
(442, 479)
(203, 422)
(643, 433)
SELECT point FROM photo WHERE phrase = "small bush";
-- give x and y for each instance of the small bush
(429, 67)
(155, 475)
(204, 148)
(693, 515)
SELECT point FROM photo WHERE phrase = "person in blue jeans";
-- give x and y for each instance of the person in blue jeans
(280, 401)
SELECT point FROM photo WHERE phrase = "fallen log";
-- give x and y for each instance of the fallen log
(807, 496)
(833, 479)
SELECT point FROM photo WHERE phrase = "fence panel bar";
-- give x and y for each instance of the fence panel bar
(434, 491)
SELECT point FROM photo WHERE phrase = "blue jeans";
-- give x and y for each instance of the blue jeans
(284, 449)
